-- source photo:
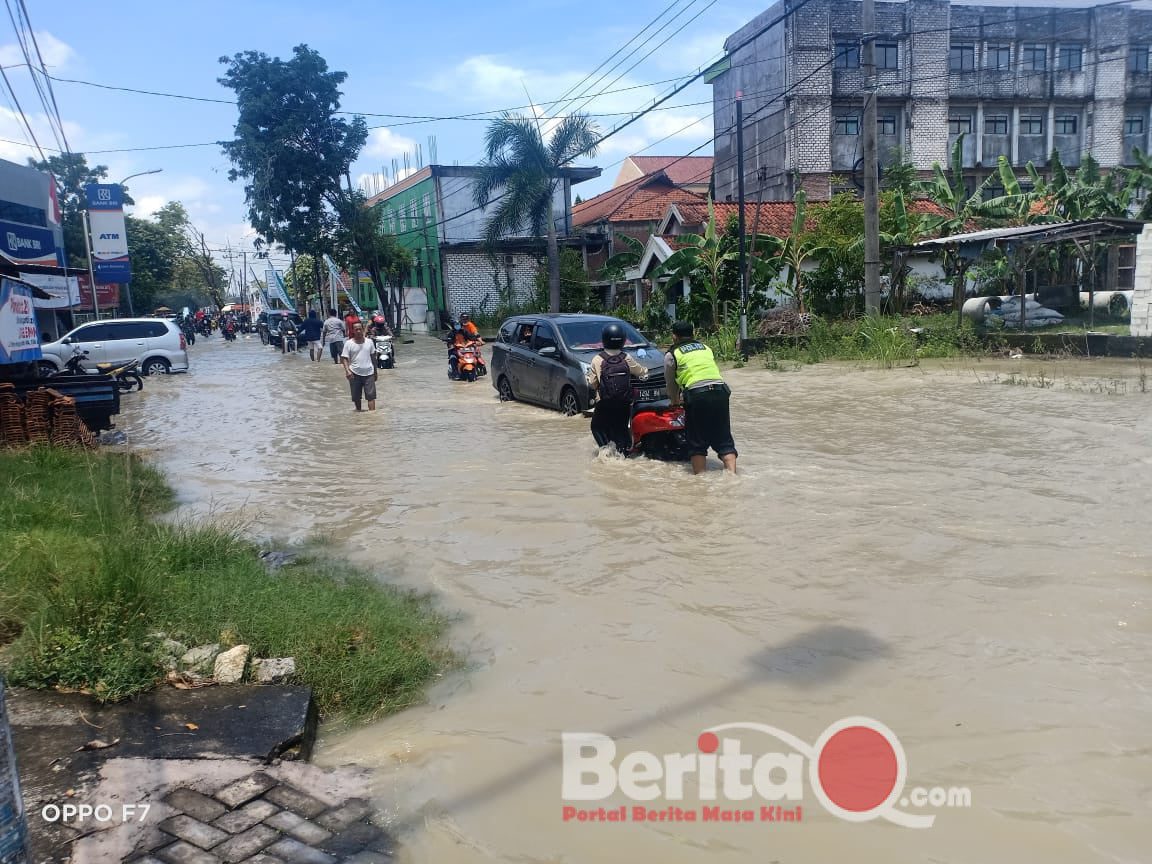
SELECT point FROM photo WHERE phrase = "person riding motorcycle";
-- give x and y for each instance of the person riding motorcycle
(470, 329)
(379, 326)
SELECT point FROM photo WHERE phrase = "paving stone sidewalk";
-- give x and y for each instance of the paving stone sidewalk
(261, 820)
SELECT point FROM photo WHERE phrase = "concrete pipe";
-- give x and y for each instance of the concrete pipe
(1112, 302)
(977, 308)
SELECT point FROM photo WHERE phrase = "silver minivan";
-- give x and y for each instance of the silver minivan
(156, 343)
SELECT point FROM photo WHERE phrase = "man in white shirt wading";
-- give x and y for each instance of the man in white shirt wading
(358, 358)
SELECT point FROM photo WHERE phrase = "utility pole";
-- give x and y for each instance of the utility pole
(871, 196)
(740, 208)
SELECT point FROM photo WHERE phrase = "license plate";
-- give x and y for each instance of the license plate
(651, 394)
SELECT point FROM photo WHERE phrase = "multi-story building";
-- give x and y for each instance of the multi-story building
(1017, 81)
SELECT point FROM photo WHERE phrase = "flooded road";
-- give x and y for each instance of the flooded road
(965, 559)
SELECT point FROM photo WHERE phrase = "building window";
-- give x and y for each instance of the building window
(1133, 125)
(1126, 267)
(1138, 58)
(1066, 124)
(995, 124)
(1069, 58)
(847, 55)
(1031, 124)
(886, 124)
(998, 57)
(1034, 58)
(887, 55)
(961, 58)
(961, 125)
(847, 124)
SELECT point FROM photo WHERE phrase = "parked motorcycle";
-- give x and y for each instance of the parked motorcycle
(127, 375)
(385, 351)
(659, 433)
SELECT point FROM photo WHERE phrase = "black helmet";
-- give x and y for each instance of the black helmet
(613, 336)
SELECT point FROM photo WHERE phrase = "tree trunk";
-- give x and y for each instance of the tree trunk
(316, 275)
(553, 263)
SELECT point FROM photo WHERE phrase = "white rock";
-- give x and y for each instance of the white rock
(200, 656)
(172, 648)
(271, 670)
(230, 665)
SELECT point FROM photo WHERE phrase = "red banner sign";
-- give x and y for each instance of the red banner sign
(107, 295)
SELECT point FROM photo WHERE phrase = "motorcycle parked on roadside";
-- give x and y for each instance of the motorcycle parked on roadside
(127, 375)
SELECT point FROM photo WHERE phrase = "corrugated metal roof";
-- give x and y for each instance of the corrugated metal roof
(1083, 227)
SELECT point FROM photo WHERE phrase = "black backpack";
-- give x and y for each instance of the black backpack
(615, 378)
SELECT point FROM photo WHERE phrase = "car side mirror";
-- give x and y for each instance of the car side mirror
(548, 351)
(67, 340)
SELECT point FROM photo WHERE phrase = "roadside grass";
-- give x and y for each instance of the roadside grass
(88, 576)
(884, 341)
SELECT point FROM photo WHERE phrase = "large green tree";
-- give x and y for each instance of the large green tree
(520, 176)
(359, 243)
(291, 147)
(153, 249)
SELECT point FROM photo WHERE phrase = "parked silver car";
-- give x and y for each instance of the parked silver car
(156, 343)
(543, 359)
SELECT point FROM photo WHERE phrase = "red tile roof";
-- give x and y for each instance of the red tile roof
(681, 170)
(644, 199)
(776, 217)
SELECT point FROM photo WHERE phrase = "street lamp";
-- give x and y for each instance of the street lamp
(128, 285)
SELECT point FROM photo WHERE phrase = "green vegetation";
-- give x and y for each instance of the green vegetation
(88, 577)
(885, 341)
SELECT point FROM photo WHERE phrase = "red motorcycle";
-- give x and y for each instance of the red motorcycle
(658, 432)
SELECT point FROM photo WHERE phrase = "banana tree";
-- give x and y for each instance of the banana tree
(797, 250)
(624, 260)
(962, 210)
(899, 230)
(702, 261)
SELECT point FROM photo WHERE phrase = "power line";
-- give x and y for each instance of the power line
(622, 60)
(44, 71)
(579, 83)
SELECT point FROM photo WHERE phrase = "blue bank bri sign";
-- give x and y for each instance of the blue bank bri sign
(110, 263)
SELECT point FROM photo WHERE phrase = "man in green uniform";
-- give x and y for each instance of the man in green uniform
(694, 381)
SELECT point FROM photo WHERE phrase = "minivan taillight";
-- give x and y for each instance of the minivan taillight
(183, 343)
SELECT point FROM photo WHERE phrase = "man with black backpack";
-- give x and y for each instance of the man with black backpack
(610, 377)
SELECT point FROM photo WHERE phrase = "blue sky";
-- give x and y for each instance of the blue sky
(432, 58)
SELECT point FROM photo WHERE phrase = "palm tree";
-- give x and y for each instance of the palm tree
(521, 173)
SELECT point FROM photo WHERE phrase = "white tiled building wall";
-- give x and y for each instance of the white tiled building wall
(473, 284)
(1142, 294)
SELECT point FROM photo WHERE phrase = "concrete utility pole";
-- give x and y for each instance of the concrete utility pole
(871, 196)
(740, 206)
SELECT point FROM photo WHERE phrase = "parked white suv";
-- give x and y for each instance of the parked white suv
(156, 343)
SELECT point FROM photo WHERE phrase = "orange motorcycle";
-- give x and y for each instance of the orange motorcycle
(468, 362)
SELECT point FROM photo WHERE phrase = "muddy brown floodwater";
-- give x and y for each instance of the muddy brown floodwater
(964, 559)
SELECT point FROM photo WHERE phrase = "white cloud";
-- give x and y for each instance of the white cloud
(386, 144)
(55, 52)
